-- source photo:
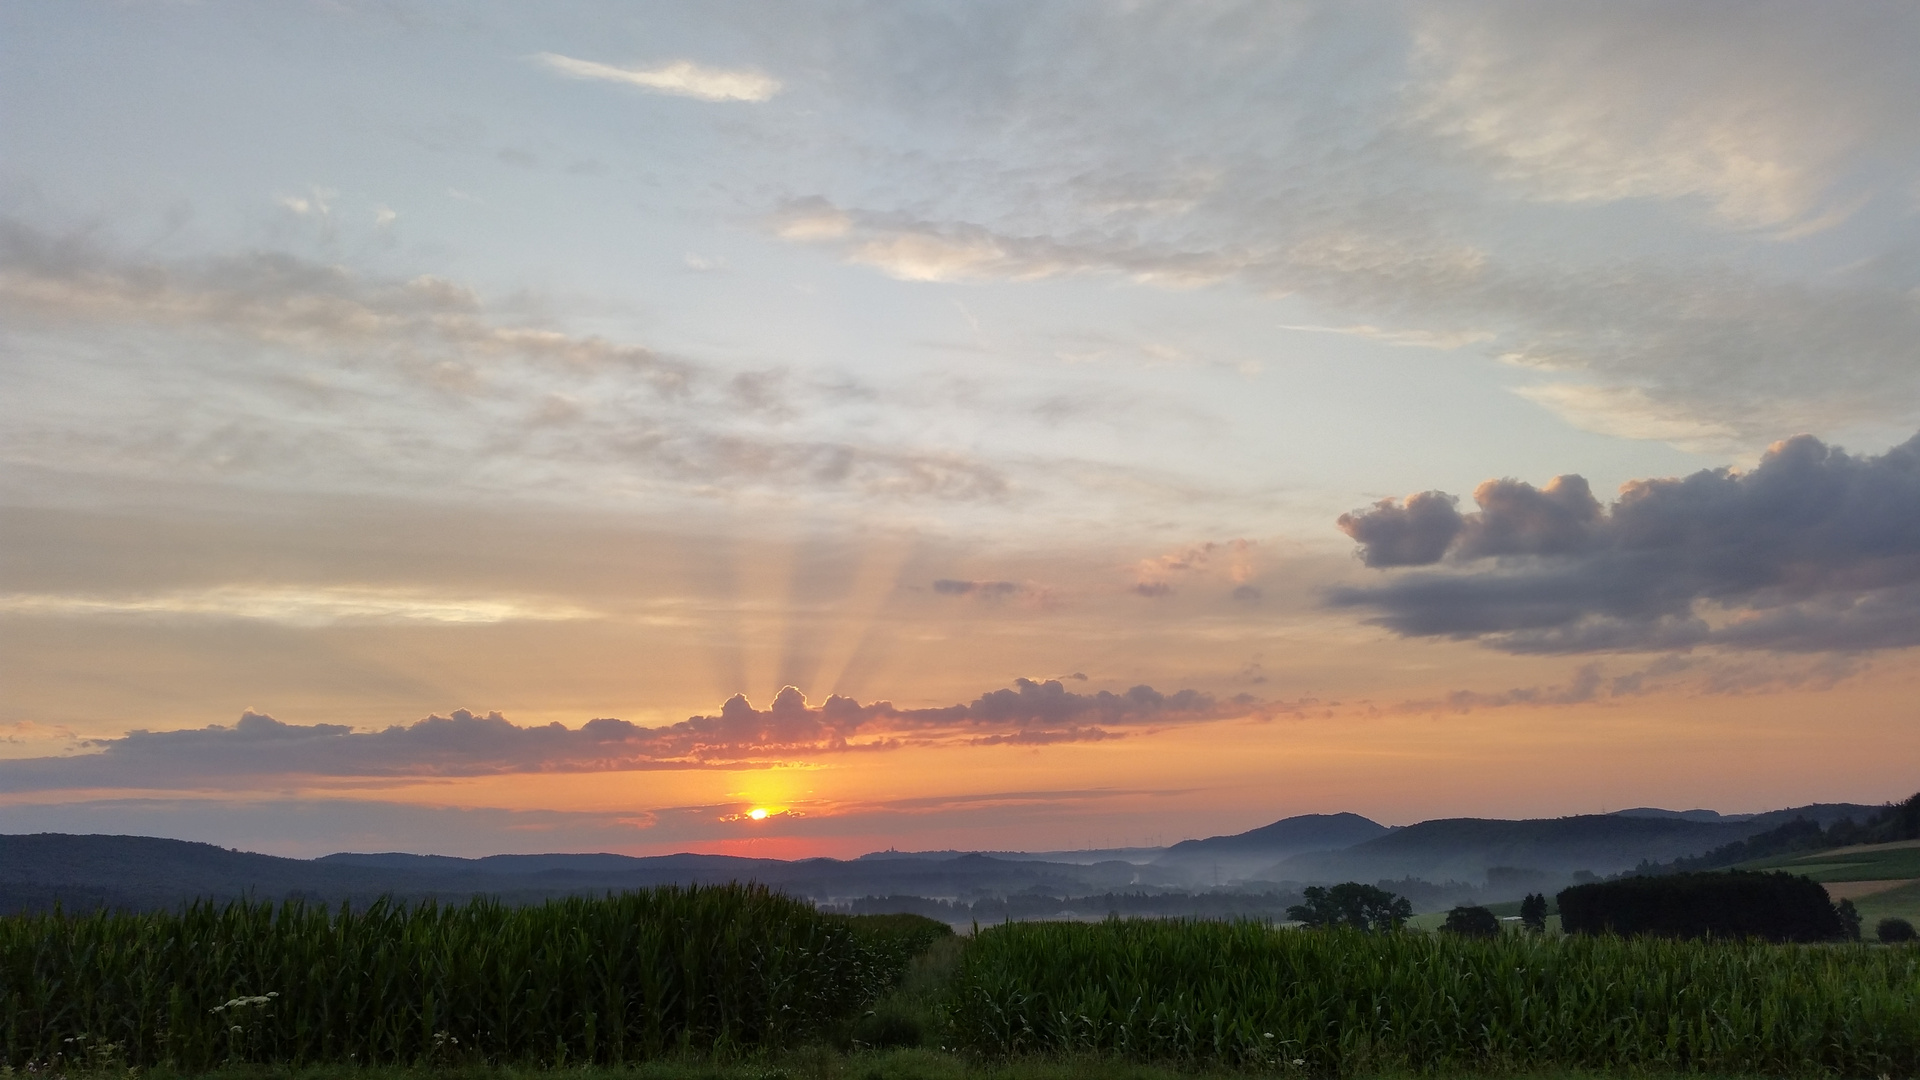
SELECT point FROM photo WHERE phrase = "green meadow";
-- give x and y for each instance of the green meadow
(1882, 880)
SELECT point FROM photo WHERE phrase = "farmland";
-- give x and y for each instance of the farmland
(1341, 1003)
(625, 978)
(736, 973)
(1883, 880)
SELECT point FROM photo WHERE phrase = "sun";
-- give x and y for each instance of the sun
(758, 813)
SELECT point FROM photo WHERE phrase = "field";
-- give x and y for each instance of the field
(736, 982)
(626, 978)
(1883, 880)
(1343, 1003)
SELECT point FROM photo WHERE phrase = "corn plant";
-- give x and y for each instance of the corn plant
(1337, 1002)
(573, 981)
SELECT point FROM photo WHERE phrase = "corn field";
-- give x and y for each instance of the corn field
(573, 981)
(1339, 1002)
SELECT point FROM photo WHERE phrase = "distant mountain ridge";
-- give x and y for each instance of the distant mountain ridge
(1465, 849)
(40, 870)
(1685, 815)
(1237, 856)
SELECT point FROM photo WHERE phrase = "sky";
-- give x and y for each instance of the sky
(467, 427)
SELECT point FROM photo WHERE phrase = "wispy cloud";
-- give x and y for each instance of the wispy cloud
(1576, 190)
(295, 605)
(681, 78)
(434, 383)
(1445, 340)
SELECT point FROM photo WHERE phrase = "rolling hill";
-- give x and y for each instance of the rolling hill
(1220, 859)
(1465, 849)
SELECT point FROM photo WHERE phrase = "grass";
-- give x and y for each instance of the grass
(1863, 862)
(1896, 861)
(824, 1063)
(1900, 903)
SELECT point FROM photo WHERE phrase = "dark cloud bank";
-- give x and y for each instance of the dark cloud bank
(1030, 713)
(1813, 550)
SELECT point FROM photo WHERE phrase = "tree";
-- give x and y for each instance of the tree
(1894, 931)
(1351, 904)
(1849, 920)
(1475, 922)
(1533, 912)
(1729, 906)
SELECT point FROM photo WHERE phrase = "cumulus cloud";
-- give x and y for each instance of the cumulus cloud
(1812, 550)
(1415, 533)
(681, 78)
(257, 747)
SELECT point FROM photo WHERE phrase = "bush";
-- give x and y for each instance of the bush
(1894, 931)
(1472, 922)
(1770, 907)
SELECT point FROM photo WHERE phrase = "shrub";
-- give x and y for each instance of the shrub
(1894, 931)
(1770, 907)
(1472, 922)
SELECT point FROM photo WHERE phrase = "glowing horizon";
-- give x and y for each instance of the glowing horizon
(760, 431)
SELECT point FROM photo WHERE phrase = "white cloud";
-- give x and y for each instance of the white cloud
(1445, 340)
(318, 202)
(1629, 412)
(295, 605)
(1600, 105)
(681, 78)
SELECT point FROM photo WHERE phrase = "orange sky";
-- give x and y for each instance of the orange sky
(415, 432)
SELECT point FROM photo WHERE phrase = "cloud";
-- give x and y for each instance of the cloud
(1576, 189)
(296, 605)
(261, 748)
(397, 384)
(1812, 550)
(1444, 340)
(1630, 412)
(1751, 113)
(1155, 576)
(1413, 534)
(681, 78)
(915, 249)
(986, 590)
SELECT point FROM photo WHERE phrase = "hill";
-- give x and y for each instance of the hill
(1491, 857)
(1551, 849)
(143, 873)
(1219, 859)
